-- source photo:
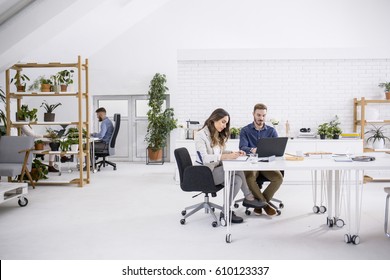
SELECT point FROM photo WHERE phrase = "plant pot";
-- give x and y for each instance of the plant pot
(336, 136)
(39, 146)
(387, 95)
(74, 147)
(45, 87)
(155, 155)
(56, 88)
(18, 119)
(64, 88)
(322, 136)
(21, 88)
(49, 117)
(378, 144)
(54, 146)
(233, 136)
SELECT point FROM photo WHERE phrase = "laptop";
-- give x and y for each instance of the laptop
(267, 147)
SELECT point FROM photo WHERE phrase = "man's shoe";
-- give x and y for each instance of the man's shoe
(258, 211)
(52, 169)
(235, 219)
(254, 203)
(269, 210)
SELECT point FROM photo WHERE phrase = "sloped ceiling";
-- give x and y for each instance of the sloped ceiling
(71, 27)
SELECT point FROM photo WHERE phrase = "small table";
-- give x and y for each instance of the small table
(9, 191)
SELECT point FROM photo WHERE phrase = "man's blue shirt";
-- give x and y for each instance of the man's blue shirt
(249, 136)
(106, 130)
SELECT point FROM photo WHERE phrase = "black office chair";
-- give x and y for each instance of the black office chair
(110, 150)
(196, 179)
(261, 179)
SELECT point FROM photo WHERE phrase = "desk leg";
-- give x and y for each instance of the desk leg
(93, 157)
(329, 188)
(229, 179)
(354, 194)
(338, 197)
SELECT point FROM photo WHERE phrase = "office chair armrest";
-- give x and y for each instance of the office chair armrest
(196, 177)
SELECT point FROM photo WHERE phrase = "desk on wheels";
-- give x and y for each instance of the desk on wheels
(345, 175)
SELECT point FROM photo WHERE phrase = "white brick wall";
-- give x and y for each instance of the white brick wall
(304, 92)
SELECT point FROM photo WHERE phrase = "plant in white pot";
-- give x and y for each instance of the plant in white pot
(377, 136)
(160, 122)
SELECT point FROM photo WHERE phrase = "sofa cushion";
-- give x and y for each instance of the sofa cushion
(10, 169)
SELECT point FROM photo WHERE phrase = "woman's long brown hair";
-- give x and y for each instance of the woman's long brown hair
(218, 138)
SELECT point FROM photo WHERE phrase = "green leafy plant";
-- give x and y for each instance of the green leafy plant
(386, 86)
(20, 79)
(3, 115)
(160, 123)
(65, 77)
(234, 132)
(72, 135)
(52, 134)
(377, 134)
(25, 114)
(38, 170)
(49, 107)
(64, 145)
(334, 129)
(36, 85)
(323, 129)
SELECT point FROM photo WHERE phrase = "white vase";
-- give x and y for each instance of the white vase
(74, 147)
(378, 144)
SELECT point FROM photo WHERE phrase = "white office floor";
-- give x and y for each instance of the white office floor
(134, 213)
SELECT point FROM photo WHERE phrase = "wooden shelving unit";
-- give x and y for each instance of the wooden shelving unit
(363, 122)
(82, 93)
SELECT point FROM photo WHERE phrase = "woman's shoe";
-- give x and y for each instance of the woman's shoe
(235, 219)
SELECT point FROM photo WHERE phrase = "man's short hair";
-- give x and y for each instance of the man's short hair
(260, 106)
(101, 109)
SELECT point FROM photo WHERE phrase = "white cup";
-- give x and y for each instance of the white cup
(299, 153)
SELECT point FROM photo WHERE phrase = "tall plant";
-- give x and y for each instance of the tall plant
(160, 123)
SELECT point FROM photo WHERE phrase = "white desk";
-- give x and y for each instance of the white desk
(339, 174)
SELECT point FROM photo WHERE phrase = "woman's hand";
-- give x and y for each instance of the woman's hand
(232, 155)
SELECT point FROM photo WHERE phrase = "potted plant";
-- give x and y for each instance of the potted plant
(3, 115)
(386, 86)
(55, 83)
(41, 83)
(334, 128)
(65, 79)
(377, 136)
(322, 130)
(234, 132)
(64, 145)
(54, 139)
(20, 81)
(72, 136)
(160, 123)
(24, 114)
(38, 170)
(49, 116)
(39, 144)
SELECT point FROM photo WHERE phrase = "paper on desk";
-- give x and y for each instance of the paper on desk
(342, 159)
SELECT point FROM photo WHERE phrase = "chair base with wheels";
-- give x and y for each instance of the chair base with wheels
(104, 163)
(387, 190)
(207, 205)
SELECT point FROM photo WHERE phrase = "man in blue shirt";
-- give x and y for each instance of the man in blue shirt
(106, 130)
(248, 143)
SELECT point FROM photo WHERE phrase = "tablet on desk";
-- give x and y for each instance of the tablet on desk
(267, 147)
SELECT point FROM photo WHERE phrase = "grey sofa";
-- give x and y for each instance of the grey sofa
(15, 156)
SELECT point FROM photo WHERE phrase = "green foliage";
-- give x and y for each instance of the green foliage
(25, 114)
(235, 131)
(323, 129)
(330, 129)
(65, 77)
(72, 135)
(64, 145)
(377, 134)
(52, 135)
(38, 170)
(37, 83)
(160, 123)
(38, 142)
(385, 85)
(3, 116)
(19, 79)
(49, 108)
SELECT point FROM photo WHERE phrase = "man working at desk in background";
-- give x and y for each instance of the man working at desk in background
(106, 130)
(249, 136)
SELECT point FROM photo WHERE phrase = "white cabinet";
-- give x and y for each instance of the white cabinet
(353, 146)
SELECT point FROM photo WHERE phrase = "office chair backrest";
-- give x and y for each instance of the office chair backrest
(183, 161)
(117, 120)
(10, 146)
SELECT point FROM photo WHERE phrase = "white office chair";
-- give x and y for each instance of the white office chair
(387, 190)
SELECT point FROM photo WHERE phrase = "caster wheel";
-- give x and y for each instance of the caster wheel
(347, 238)
(182, 221)
(183, 213)
(322, 209)
(329, 222)
(340, 223)
(228, 238)
(214, 224)
(355, 239)
(316, 209)
(213, 209)
(236, 205)
(22, 202)
(281, 205)
(278, 212)
(222, 221)
(247, 212)
(114, 168)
